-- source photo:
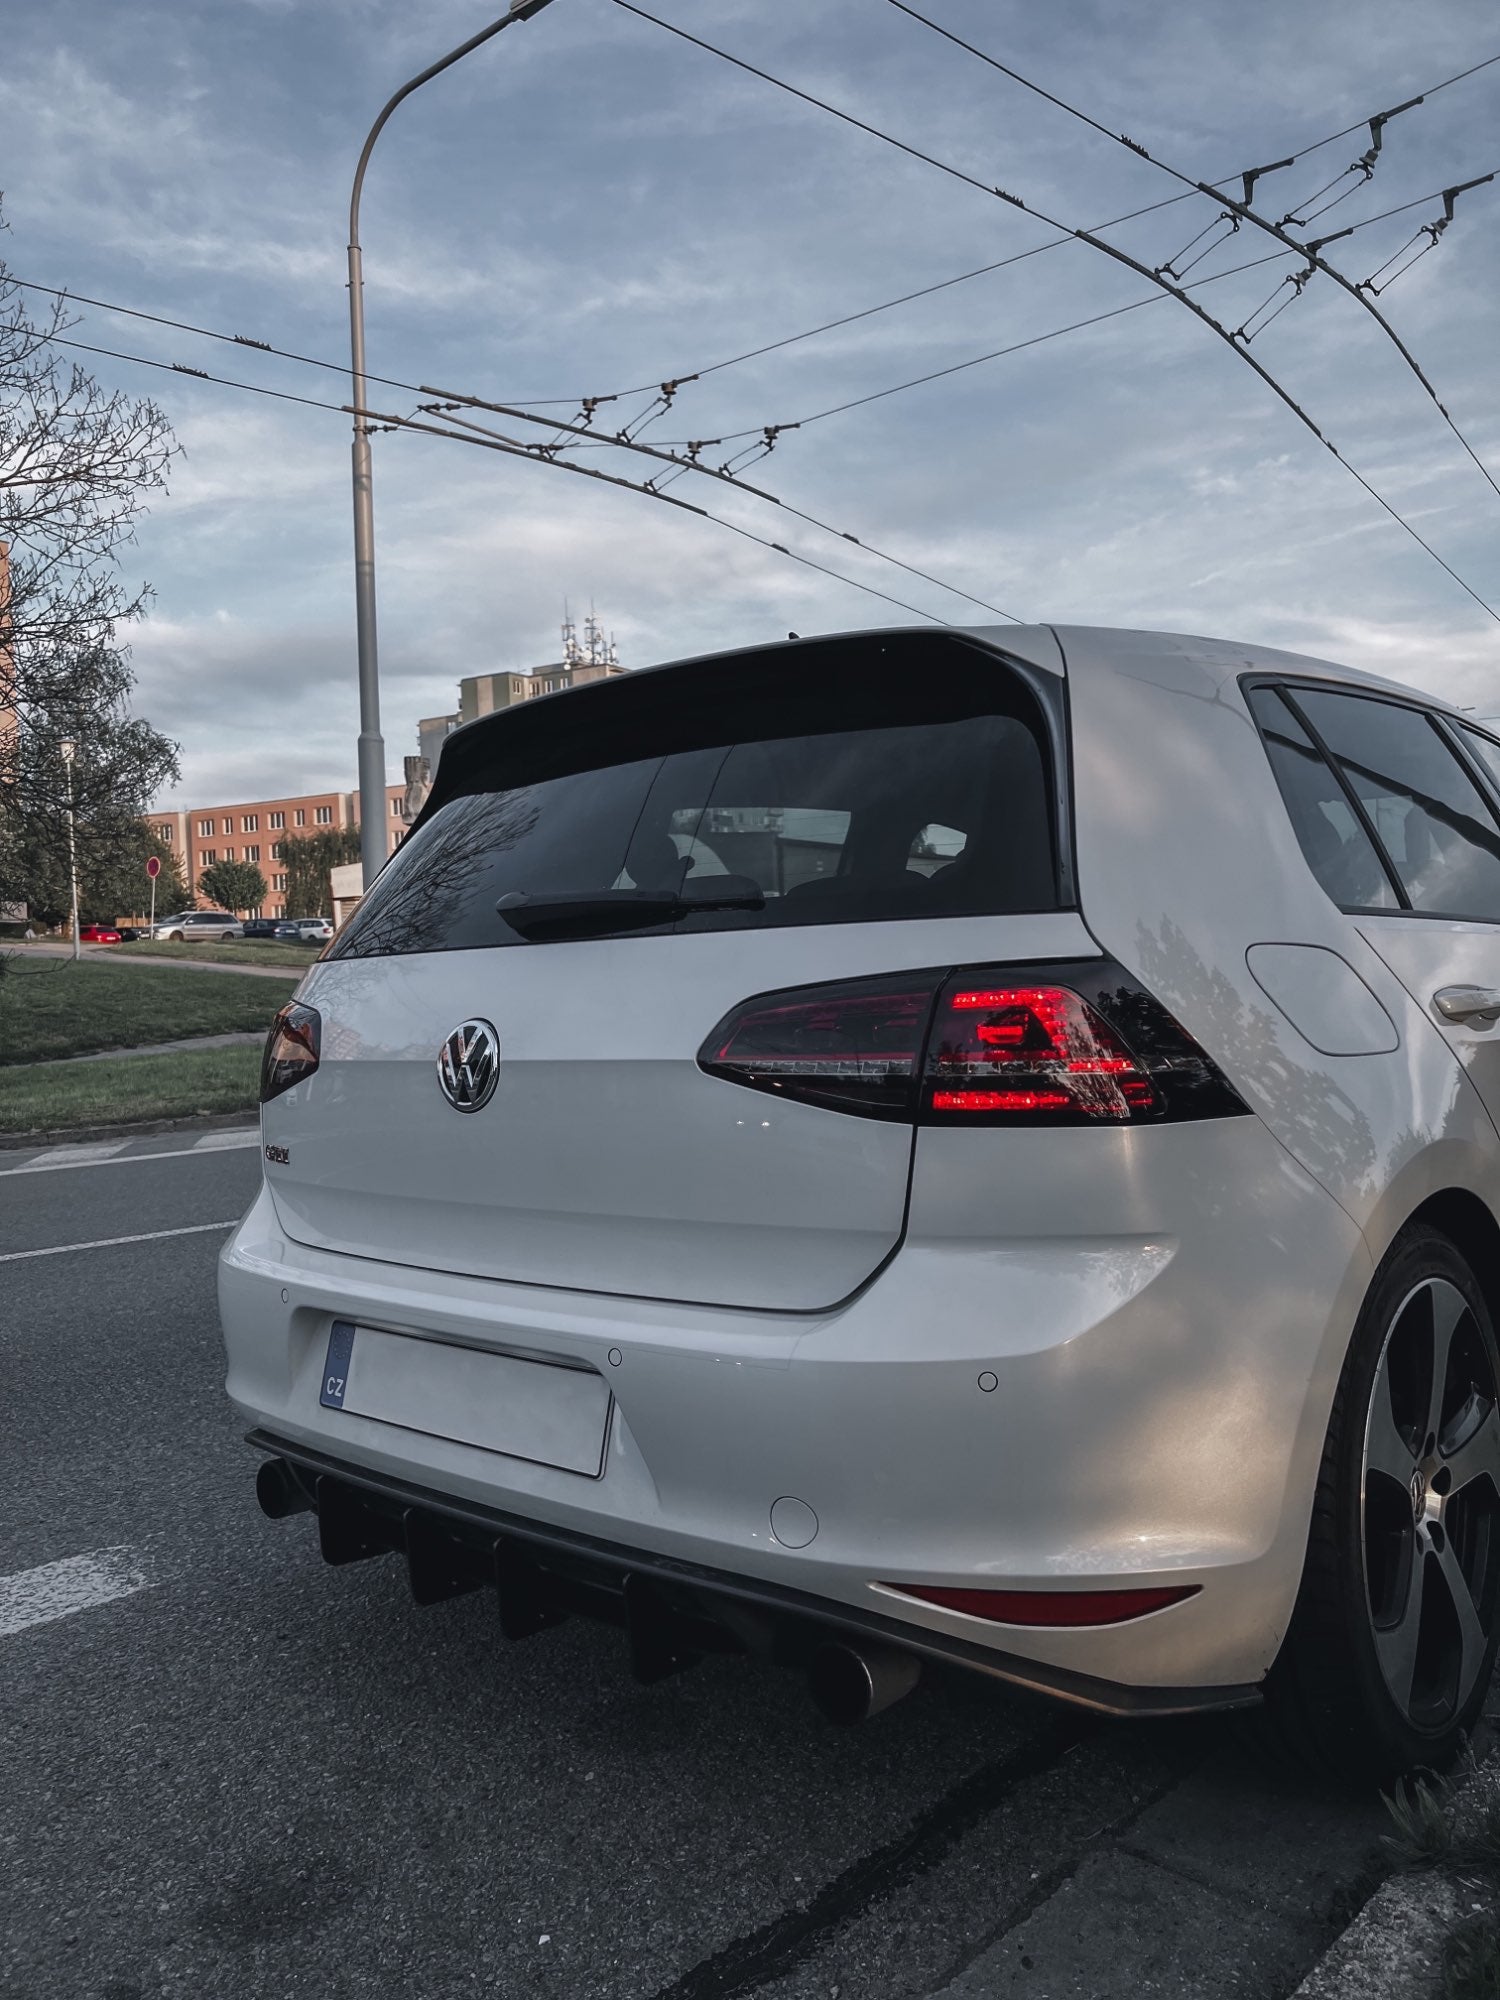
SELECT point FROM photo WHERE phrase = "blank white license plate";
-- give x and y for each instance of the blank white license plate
(526, 1409)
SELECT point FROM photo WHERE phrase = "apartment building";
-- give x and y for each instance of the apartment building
(254, 830)
(591, 658)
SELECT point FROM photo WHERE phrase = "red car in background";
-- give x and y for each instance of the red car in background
(98, 934)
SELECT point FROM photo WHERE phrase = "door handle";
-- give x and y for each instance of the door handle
(1477, 1005)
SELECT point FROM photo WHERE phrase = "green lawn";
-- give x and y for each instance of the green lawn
(60, 1097)
(240, 952)
(51, 1007)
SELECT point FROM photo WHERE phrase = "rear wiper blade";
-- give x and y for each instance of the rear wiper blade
(584, 912)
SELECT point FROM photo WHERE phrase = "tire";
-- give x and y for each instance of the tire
(1388, 1656)
(175, 937)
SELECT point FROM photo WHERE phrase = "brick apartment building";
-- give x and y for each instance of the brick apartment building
(253, 830)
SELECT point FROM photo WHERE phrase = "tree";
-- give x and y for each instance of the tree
(77, 466)
(234, 885)
(116, 885)
(310, 859)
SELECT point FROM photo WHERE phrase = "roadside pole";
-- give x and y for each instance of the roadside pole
(153, 869)
(372, 813)
(68, 751)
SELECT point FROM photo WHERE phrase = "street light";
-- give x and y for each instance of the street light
(372, 814)
(68, 750)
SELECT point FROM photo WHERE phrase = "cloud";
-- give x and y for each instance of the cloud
(588, 204)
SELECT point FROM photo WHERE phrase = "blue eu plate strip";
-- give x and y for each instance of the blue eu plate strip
(336, 1368)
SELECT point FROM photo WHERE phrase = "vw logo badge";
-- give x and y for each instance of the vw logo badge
(1418, 1492)
(469, 1066)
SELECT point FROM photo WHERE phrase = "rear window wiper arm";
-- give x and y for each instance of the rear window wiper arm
(584, 911)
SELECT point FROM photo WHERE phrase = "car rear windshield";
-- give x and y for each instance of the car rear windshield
(893, 778)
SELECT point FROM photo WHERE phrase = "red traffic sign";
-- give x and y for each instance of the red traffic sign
(153, 866)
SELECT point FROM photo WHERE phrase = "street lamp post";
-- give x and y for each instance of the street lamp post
(68, 750)
(372, 833)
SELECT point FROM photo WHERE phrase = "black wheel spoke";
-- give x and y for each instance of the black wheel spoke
(1476, 1451)
(1386, 1450)
(1449, 1309)
(1471, 1633)
(1397, 1644)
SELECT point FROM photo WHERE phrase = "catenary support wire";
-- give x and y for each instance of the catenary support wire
(386, 420)
(1106, 249)
(1241, 209)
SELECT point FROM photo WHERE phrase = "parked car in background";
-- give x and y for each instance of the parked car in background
(201, 926)
(262, 928)
(98, 934)
(133, 933)
(306, 930)
(906, 1145)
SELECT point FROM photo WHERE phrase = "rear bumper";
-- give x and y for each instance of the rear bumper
(539, 1573)
(1141, 1401)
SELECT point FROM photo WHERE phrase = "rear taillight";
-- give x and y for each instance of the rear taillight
(853, 1047)
(292, 1049)
(1077, 1044)
(1010, 1051)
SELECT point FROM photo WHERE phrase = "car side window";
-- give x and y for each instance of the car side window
(1484, 749)
(1336, 846)
(1435, 825)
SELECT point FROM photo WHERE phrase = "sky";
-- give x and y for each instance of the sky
(588, 204)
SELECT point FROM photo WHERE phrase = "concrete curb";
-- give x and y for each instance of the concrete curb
(1393, 1950)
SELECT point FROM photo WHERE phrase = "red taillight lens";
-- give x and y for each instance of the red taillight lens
(1050, 1607)
(1003, 1052)
(1060, 1044)
(854, 1047)
(292, 1049)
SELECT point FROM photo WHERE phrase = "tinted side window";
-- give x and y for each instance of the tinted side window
(1429, 815)
(1485, 749)
(1337, 848)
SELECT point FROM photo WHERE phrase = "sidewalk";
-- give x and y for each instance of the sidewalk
(109, 954)
(1429, 1933)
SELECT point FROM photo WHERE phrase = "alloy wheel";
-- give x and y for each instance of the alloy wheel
(1430, 1504)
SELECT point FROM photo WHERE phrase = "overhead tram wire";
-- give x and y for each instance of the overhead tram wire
(532, 455)
(800, 514)
(240, 340)
(519, 411)
(808, 333)
(984, 270)
(1095, 242)
(1310, 250)
(1034, 340)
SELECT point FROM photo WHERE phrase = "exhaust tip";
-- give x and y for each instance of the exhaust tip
(849, 1684)
(279, 1491)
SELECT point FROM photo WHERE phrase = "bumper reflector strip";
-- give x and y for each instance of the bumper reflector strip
(1049, 1607)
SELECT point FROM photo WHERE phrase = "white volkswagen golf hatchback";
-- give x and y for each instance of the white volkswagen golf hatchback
(975, 1146)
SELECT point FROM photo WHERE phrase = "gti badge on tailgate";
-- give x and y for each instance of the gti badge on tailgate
(469, 1066)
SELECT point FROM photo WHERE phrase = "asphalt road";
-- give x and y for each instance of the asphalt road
(226, 1771)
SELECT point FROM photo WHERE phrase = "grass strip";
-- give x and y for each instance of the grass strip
(241, 952)
(62, 1096)
(50, 1007)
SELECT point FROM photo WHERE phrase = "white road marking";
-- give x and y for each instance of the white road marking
(50, 1163)
(58, 1589)
(109, 1242)
(218, 1142)
(76, 1156)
